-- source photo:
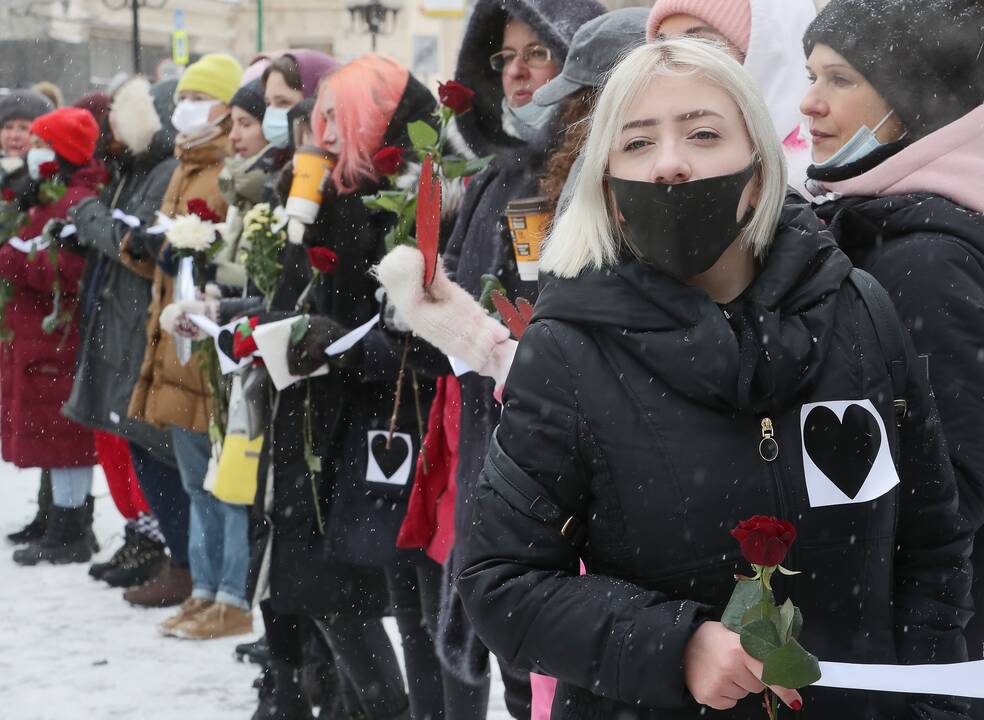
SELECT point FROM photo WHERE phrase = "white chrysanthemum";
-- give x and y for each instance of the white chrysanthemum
(191, 233)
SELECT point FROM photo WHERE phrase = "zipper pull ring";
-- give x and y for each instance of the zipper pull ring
(768, 447)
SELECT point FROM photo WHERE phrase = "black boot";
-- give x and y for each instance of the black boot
(34, 530)
(99, 570)
(144, 561)
(64, 540)
(257, 652)
(90, 536)
(286, 702)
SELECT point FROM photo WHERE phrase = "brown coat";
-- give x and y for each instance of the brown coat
(167, 392)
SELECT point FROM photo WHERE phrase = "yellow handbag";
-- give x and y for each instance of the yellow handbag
(239, 460)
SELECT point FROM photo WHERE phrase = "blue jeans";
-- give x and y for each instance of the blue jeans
(218, 536)
(70, 486)
(161, 485)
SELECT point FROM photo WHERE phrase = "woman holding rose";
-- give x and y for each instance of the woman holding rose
(701, 352)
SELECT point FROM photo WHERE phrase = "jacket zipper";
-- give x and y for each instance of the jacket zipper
(769, 452)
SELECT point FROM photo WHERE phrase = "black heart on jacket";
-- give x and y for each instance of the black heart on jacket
(390, 459)
(844, 450)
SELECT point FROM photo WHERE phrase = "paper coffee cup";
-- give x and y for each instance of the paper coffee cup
(529, 219)
(312, 169)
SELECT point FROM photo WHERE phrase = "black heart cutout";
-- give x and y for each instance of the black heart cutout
(390, 459)
(225, 343)
(844, 451)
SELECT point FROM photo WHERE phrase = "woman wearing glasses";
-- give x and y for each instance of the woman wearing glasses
(701, 353)
(511, 48)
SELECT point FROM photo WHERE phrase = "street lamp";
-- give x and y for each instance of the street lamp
(373, 15)
(135, 6)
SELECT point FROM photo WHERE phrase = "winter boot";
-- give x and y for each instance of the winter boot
(64, 540)
(144, 560)
(171, 586)
(286, 701)
(217, 621)
(34, 530)
(257, 652)
(99, 570)
(90, 536)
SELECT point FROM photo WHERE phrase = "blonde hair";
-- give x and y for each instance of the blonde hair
(585, 234)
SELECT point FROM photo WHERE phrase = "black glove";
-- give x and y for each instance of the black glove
(308, 354)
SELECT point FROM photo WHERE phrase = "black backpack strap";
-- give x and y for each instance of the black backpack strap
(525, 495)
(889, 329)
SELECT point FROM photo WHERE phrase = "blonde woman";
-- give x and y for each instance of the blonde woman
(702, 353)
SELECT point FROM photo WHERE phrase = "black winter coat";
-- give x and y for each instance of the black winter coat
(929, 254)
(635, 404)
(351, 408)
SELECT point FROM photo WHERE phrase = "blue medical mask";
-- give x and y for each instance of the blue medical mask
(36, 157)
(276, 127)
(527, 122)
(861, 145)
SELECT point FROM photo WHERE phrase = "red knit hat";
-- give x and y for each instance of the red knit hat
(71, 132)
(731, 18)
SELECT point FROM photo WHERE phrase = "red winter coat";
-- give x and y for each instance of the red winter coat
(37, 369)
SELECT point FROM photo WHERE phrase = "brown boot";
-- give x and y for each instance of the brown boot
(190, 608)
(171, 586)
(218, 621)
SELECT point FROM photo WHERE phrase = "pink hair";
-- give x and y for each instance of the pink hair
(367, 92)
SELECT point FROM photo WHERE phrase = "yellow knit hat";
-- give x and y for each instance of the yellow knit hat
(216, 75)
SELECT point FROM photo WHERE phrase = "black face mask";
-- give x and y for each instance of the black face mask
(683, 229)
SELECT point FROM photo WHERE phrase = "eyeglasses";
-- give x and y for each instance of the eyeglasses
(536, 56)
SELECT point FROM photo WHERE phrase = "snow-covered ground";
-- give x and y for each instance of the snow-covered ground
(70, 647)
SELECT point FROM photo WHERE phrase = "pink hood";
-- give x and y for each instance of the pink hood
(948, 162)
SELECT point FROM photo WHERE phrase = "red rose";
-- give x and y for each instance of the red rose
(48, 169)
(456, 96)
(765, 540)
(197, 206)
(388, 161)
(323, 259)
(9, 195)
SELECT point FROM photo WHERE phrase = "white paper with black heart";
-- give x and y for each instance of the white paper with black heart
(392, 465)
(846, 454)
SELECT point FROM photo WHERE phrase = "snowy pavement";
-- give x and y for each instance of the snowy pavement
(71, 648)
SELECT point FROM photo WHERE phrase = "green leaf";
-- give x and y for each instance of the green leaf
(791, 666)
(490, 283)
(474, 167)
(747, 594)
(299, 329)
(765, 610)
(797, 627)
(422, 135)
(787, 614)
(453, 167)
(760, 639)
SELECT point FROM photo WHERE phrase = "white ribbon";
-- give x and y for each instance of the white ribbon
(350, 340)
(960, 679)
(164, 223)
(128, 220)
(27, 247)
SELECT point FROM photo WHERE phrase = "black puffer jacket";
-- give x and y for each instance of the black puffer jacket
(338, 571)
(635, 404)
(929, 254)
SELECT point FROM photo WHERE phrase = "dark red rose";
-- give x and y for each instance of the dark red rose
(765, 540)
(456, 96)
(197, 206)
(323, 259)
(48, 169)
(9, 195)
(388, 161)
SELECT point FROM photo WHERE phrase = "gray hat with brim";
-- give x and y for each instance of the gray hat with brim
(596, 48)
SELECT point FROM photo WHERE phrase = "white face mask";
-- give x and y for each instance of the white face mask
(36, 157)
(190, 117)
(861, 145)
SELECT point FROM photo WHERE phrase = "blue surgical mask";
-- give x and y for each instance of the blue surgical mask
(276, 128)
(36, 157)
(861, 145)
(527, 122)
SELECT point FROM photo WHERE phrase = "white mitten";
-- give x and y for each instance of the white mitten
(444, 314)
